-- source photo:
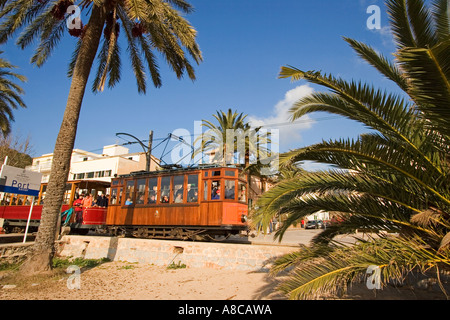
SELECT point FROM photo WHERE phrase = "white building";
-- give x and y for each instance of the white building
(319, 215)
(85, 165)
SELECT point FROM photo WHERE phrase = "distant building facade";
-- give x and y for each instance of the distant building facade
(85, 165)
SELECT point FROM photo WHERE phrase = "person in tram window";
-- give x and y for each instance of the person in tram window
(179, 198)
(165, 199)
(216, 194)
(102, 201)
(229, 192)
(128, 202)
(140, 200)
(87, 201)
(152, 198)
(193, 195)
(105, 200)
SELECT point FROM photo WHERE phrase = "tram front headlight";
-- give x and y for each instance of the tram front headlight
(244, 218)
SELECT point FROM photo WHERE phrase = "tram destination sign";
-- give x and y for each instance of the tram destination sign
(20, 181)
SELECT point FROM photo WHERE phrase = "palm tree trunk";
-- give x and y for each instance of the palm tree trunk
(40, 258)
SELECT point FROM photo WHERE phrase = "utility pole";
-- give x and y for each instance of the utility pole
(149, 151)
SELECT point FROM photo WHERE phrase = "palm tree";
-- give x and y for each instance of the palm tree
(10, 94)
(394, 179)
(232, 141)
(214, 140)
(149, 27)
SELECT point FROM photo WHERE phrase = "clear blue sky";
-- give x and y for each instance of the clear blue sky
(244, 44)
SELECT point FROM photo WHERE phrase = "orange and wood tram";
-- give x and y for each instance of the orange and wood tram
(194, 203)
(203, 203)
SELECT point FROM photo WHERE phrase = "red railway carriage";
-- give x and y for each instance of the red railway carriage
(14, 209)
(192, 203)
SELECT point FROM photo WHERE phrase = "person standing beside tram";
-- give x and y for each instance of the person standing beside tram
(78, 205)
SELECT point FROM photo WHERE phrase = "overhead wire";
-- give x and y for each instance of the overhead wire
(280, 124)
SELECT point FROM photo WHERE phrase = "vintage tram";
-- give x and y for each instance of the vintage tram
(15, 209)
(202, 203)
(207, 203)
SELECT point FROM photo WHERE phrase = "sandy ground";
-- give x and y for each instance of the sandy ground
(123, 281)
(130, 281)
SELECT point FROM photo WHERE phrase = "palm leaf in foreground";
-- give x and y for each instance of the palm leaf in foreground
(394, 179)
(322, 271)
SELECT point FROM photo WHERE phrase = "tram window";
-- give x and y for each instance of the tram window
(129, 193)
(119, 199)
(28, 200)
(67, 193)
(242, 192)
(115, 182)
(114, 196)
(206, 173)
(215, 190)
(229, 189)
(165, 189)
(205, 190)
(140, 191)
(178, 189)
(42, 194)
(216, 173)
(192, 195)
(152, 190)
(230, 173)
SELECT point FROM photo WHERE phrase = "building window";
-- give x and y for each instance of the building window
(80, 176)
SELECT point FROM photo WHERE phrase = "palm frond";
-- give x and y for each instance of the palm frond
(381, 63)
(400, 25)
(332, 272)
(428, 70)
(442, 18)
(422, 24)
(10, 94)
(50, 37)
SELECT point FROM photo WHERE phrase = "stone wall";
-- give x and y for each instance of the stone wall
(14, 252)
(163, 252)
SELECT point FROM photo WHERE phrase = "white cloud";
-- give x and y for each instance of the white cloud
(290, 133)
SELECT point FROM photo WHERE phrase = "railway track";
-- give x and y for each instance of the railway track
(15, 237)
